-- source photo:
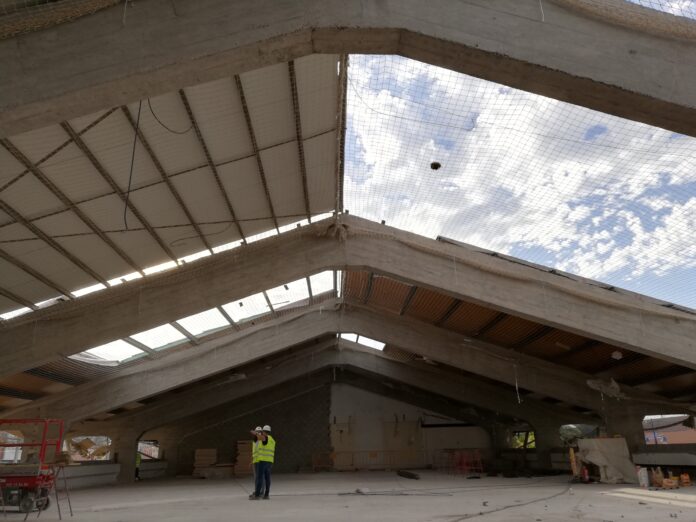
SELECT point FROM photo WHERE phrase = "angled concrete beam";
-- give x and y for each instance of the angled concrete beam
(489, 360)
(238, 348)
(209, 396)
(351, 357)
(458, 387)
(627, 320)
(177, 369)
(50, 76)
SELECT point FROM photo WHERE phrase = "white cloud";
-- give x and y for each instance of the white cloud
(590, 193)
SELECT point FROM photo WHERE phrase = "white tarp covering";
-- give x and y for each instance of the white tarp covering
(612, 458)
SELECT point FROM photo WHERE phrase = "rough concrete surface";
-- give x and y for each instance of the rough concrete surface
(436, 497)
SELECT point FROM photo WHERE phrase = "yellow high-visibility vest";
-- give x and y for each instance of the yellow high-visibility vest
(255, 451)
(266, 453)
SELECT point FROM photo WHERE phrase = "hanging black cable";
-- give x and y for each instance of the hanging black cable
(130, 174)
(149, 104)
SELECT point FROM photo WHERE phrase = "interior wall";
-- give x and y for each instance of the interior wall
(368, 425)
(299, 426)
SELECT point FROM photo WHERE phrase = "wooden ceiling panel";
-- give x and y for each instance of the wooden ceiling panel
(428, 306)
(469, 318)
(510, 331)
(554, 344)
(388, 294)
(355, 285)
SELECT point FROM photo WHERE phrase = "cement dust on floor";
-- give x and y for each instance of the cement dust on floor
(331, 496)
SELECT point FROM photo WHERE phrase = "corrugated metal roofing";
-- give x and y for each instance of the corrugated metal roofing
(200, 141)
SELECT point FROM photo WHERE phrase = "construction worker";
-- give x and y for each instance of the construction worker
(265, 457)
(138, 460)
(256, 433)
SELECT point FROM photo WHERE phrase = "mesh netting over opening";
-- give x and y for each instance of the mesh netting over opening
(543, 180)
(25, 16)
(685, 8)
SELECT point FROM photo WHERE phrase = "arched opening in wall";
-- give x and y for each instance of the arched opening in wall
(525, 439)
(88, 448)
(149, 449)
(669, 429)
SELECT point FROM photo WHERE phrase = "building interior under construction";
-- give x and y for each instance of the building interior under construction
(425, 242)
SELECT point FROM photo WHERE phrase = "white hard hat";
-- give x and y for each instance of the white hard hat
(258, 428)
(266, 428)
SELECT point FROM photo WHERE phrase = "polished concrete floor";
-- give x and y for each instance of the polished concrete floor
(386, 497)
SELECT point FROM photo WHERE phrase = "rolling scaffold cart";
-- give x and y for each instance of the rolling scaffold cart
(29, 452)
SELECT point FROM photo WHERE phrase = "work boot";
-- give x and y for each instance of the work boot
(253, 497)
(265, 497)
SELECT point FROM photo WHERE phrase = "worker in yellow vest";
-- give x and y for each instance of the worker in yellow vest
(265, 455)
(256, 433)
(138, 460)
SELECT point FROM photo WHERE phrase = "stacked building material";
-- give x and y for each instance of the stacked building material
(204, 458)
(242, 465)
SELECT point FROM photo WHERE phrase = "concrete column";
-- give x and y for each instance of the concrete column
(546, 439)
(168, 440)
(125, 447)
(627, 422)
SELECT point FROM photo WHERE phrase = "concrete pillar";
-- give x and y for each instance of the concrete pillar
(169, 451)
(623, 420)
(547, 438)
(125, 447)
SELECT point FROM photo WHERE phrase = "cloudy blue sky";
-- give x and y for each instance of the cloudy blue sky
(532, 177)
(685, 8)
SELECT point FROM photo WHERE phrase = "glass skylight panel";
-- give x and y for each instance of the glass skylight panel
(289, 293)
(15, 313)
(160, 268)
(370, 343)
(339, 283)
(193, 257)
(320, 217)
(291, 226)
(203, 322)
(248, 307)
(88, 290)
(115, 351)
(262, 235)
(159, 336)
(226, 246)
(124, 278)
(350, 337)
(322, 282)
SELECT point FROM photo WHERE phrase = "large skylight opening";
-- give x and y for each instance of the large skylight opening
(194, 257)
(247, 308)
(160, 268)
(532, 177)
(322, 282)
(204, 322)
(288, 293)
(114, 352)
(227, 246)
(365, 341)
(15, 313)
(159, 337)
(88, 290)
(124, 279)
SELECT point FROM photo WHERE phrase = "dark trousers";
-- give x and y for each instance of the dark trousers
(263, 477)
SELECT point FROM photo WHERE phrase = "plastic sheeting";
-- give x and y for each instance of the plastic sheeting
(612, 458)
